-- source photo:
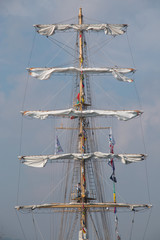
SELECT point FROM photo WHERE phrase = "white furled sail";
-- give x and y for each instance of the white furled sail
(86, 205)
(41, 160)
(45, 73)
(109, 29)
(121, 114)
(119, 76)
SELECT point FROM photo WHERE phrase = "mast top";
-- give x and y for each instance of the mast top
(80, 16)
(80, 11)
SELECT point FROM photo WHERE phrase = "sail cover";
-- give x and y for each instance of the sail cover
(109, 29)
(121, 115)
(40, 161)
(45, 73)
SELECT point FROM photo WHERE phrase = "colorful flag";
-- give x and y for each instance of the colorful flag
(111, 161)
(58, 146)
(78, 97)
(111, 140)
(113, 177)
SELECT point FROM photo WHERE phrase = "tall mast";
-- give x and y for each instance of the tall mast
(81, 132)
(83, 158)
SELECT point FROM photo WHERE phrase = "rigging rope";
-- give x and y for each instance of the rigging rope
(132, 225)
(70, 235)
(142, 131)
(21, 125)
(64, 21)
(113, 100)
(94, 227)
(146, 169)
(100, 195)
(21, 226)
(61, 47)
(148, 220)
(56, 186)
(34, 226)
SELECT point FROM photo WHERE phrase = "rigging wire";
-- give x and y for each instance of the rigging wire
(99, 47)
(92, 19)
(31, 52)
(142, 131)
(146, 168)
(112, 99)
(130, 50)
(94, 227)
(147, 225)
(143, 139)
(64, 223)
(101, 193)
(61, 47)
(21, 125)
(130, 238)
(64, 21)
(63, 44)
(49, 99)
(21, 226)
(62, 180)
(36, 226)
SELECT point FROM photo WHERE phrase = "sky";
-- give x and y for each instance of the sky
(16, 44)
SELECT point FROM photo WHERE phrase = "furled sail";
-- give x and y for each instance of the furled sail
(41, 160)
(45, 73)
(119, 76)
(109, 29)
(121, 115)
(86, 205)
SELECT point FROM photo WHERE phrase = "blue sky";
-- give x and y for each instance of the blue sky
(16, 41)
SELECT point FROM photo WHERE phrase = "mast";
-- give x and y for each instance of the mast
(83, 204)
(83, 220)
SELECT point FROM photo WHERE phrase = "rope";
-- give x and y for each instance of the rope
(57, 93)
(73, 227)
(61, 47)
(132, 226)
(142, 131)
(101, 194)
(67, 20)
(21, 226)
(105, 92)
(146, 169)
(25, 91)
(147, 225)
(130, 50)
(21, 129)
(57, 185)
(94, 227)
(34, 226)
(19, 174)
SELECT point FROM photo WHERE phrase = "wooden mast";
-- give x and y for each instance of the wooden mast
(81, 130)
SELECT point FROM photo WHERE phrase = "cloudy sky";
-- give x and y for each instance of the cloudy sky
(17, 39)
